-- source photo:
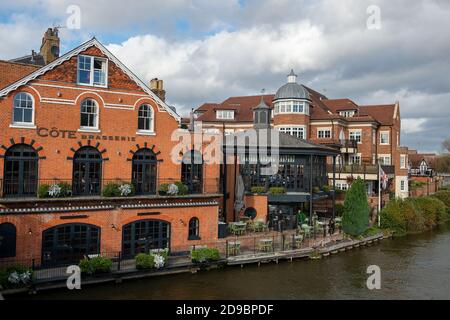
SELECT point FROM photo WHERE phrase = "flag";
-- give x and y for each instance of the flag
(383, 179)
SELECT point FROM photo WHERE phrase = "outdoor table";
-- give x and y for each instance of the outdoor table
(234, 247)
(265, 244)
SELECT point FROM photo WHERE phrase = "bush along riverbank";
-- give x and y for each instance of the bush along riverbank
(415, 215)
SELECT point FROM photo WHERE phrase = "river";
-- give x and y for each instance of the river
(413, 267)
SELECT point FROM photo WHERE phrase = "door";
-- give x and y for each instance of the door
(192, 171)
(87, 169)
(143, 235)
(20, 171)
(69, 243)
(144, 171)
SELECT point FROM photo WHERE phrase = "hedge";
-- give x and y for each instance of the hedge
(205, 255)
(15, 276)
(147, 261)
(95, 265)
(414, 215)
(116, 189)
(56, 190)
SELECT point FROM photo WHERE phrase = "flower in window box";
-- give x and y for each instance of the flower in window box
(125, 190)
(173, 189)
(159, 261)
(54, 191)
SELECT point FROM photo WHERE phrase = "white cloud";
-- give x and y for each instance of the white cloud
(413, 125)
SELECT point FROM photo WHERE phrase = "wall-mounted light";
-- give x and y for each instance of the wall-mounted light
(59, 94)
(120, 100)
(119, 153)
(30, 231)
(113, 226)
(182, 222)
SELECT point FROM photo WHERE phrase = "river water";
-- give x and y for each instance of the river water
(414, 267)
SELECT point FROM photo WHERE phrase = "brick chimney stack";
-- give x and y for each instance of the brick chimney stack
(50, 45)
(157, 86)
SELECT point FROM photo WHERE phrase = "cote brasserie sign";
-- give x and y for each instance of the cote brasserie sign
(72, 134)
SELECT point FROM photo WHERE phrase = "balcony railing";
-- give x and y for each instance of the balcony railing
(361, 169)
(63, 188)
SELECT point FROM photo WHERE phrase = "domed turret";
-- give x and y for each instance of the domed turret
(292, 90)
(291, 108)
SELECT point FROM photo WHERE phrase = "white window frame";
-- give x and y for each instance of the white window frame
(21, 124)
(388, 138)
(384, 157)
(353, 156)
(347, 113)
(402, 185)
(97, 117)
(403, 161)
(374, 136)
(151, 130)
(353, 132)
(321, 133)
(293, 130)
(91, 83)
(287, 107)
(225, 114)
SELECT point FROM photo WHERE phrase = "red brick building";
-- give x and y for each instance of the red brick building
(75, 128)
(364, 135)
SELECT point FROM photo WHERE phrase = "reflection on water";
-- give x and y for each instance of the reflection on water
(412, 267)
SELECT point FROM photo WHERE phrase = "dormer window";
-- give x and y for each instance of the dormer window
(92, 71)
(225, 114)
(347, 113)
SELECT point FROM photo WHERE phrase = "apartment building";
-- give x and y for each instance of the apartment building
(365, 135)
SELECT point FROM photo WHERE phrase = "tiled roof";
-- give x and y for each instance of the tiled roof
(322, 108)
(34, 59)
(10, 72)
(384, 114)
(416, 159)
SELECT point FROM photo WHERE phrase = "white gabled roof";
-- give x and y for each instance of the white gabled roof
(76, 51)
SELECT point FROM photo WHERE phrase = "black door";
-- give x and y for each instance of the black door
(87, 171)
(20, 171)
(143, 235)
(69, 243)
(7, 240)
(192, 171)
(144, 171)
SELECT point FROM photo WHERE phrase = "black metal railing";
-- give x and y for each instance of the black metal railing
(64, 188)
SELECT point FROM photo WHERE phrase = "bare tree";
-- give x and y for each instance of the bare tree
(446, 145)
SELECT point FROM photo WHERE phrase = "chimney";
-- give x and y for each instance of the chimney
(50, 45)
(157, 86)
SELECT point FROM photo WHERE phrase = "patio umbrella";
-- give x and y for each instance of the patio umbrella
(239, 195)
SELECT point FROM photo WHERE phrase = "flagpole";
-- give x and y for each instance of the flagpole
(379, 196)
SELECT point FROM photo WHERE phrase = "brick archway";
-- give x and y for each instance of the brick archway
(31, 142)
(79, 145)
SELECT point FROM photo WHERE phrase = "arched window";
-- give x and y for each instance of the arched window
(23, 109)
(145, 118)
(144, 235)
(7, 240)
(194, 229)
(89, 114)
(87, 171)
(20, 171)
(192, 171)
(144, 171)
(69, 243)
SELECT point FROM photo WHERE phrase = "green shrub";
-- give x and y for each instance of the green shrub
(55, 190)
(326, 188)
(256, 189)
(316, 189)
(205, 255)
(277, 190)
(182, 188)
(15, 276)
(392, 217)
(444, 196)
(339, 208)
(95, 265)
(118, 189)
(416, 184)
(147, 261)
(415, 221)
(163, 188)
(371, 231)
(355, 219)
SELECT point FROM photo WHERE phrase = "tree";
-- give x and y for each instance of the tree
(446, 145)
(355, 219)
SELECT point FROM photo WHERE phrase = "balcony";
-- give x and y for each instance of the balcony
(364, 170)
(344, 145)
(13, 190)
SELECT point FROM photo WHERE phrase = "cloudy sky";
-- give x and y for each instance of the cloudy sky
(208, 50)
